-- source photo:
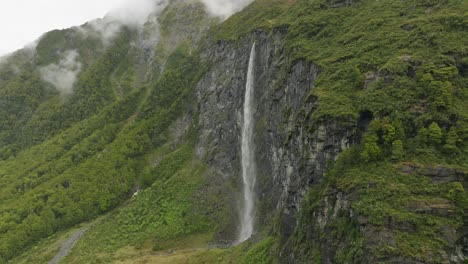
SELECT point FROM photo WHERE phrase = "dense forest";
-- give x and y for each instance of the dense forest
(368, 161)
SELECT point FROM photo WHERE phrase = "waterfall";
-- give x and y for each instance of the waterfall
(247, 157)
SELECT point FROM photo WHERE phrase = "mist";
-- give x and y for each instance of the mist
(63, 74)
(225, 8)
(22, 23)
(135, 13)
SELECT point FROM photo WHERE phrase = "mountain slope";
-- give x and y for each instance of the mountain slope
(360, 137)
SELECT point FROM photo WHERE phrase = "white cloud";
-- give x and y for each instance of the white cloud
(225, 8)
(23, 21)
(132, 15)
(64, 74)
(136, 12)
(104, 28)
(3, 59)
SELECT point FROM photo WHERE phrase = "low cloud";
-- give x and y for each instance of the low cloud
(225, 8)
(3, 59)
(63, 74)
(15, 60)
(133, 14)
(105, 29)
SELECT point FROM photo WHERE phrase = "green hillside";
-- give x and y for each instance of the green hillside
(119, 154)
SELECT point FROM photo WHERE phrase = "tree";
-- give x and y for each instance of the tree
(399, 129)
(397, 150)
(34, 226)
(434, 134)
(451, 141)
(389, 133)
(422, 135)
(49, 219)
(371, 152)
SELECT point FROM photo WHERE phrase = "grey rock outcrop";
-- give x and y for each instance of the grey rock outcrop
(292, 150)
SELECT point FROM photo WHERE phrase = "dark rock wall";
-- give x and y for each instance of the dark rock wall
(291, 149)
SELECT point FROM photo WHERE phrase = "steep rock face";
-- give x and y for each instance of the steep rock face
(331, 230)
(337, 246)
(291, 149)
(292, 155)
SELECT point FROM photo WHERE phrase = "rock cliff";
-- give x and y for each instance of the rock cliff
(292, 149)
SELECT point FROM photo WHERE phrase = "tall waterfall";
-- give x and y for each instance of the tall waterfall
(248, 161)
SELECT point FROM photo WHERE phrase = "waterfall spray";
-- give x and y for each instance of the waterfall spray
(247, 215)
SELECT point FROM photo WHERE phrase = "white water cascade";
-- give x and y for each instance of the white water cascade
(249, 176)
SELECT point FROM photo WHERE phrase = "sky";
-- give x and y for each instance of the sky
(24, 21)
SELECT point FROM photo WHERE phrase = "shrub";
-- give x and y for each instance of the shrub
(434, 134)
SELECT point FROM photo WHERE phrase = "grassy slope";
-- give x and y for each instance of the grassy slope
(173, 221)
(172, 208)
(86, 168)
(33, 111)
(93, 166)
(45, 250)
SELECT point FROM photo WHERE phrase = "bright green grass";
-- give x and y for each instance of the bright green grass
(171, 208)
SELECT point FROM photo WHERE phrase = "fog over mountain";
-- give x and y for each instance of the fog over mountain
(21, 23)
(62, 75)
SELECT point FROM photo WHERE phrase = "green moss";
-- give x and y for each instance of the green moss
(260, 253)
